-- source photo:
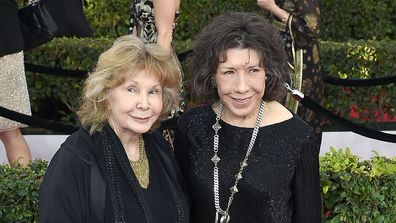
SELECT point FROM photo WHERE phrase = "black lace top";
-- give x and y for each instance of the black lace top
(280, 184)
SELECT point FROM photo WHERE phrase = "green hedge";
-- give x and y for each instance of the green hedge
(56, 98)
(358, 19)
(19, 191)
(358, 191)
(341, 20)
(360, 60)
(352, 190)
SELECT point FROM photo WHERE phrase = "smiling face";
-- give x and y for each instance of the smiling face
(240, 84)
(136, 104)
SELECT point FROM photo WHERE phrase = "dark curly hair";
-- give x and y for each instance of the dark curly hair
(237, 30)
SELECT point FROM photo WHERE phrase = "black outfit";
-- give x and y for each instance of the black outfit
(66, 193)
(11, 40)
(70, 18)
(281, 183)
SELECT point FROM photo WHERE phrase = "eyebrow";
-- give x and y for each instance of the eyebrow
(253, 66)
(129, 82)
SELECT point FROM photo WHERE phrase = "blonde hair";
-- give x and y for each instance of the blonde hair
(128, 55)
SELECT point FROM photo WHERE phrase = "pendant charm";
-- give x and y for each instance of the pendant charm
(215, 159)
(225, 218)
(216, 126)
(217, 217)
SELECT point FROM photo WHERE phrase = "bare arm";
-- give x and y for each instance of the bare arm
(305, 24)
(164, 17)
(274, 9)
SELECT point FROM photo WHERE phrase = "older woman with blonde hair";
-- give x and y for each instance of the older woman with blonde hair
(112, 169)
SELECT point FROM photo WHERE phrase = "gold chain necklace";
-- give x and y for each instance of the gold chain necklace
(141, 166)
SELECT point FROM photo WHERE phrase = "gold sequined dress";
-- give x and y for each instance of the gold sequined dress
(13, 88)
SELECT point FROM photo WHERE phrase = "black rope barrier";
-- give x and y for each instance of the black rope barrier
(182, 57)
(37, 122)
(76, 73)
(361, 130)
(57, 127)
(55, 71)
(359, 82)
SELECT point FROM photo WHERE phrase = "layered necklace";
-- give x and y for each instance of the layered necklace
(141, 166)
(223, 216)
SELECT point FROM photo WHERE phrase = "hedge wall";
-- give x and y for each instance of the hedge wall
(341, 20)
(56, 98)
(352, 190)
(361, 60)
(358, 191)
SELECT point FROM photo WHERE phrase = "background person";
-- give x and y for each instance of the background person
(246, 158)
(14, 94)
(132, 87)
(301, 22)
(155, 21)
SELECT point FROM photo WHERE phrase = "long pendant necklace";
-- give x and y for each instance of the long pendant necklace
(223, 216)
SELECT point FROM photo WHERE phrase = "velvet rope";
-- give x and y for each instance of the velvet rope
(183, 56)
(361, 130)
(55, 71)
(360, 82)
(37, 122)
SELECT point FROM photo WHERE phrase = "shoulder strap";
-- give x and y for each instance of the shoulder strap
(97, 192)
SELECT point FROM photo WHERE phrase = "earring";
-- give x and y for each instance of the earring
(213, 83)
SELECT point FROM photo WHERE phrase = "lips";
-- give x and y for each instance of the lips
(242, 101)
(141, 119)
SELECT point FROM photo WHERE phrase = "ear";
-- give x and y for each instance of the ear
(213, 83)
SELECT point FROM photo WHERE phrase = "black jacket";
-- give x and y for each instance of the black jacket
(74, 189)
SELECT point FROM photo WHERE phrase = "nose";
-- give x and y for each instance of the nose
(242, 85)
(143, 102)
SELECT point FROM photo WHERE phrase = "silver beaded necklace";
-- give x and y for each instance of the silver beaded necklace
(223, 216)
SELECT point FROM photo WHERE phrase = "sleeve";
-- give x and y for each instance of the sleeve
(307, 205)
(63, 192)
(305, 24)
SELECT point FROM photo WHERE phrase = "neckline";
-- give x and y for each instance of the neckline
(213, 114)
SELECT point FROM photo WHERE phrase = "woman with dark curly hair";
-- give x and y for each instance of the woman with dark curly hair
(245, 156)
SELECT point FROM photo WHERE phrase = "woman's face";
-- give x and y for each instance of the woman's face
(240, 84)
(136, 104)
